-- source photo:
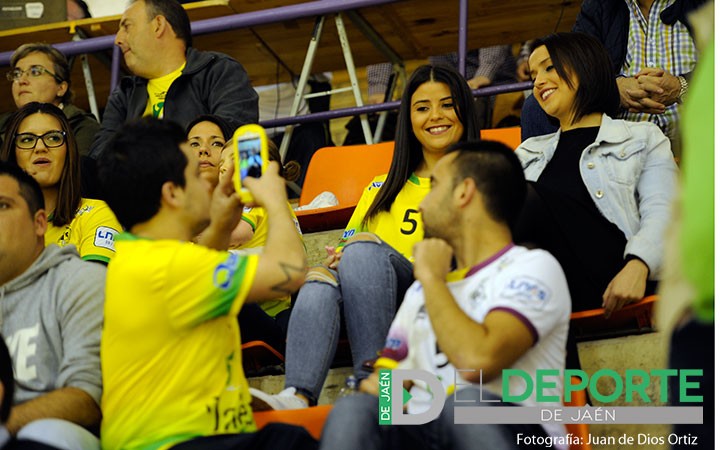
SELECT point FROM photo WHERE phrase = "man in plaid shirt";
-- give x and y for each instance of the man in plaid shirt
(652, 51)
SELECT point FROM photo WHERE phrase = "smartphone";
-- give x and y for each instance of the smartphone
(251, 157)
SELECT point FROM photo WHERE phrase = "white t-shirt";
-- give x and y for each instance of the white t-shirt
(529, 284)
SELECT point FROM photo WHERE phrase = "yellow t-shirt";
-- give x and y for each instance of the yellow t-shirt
(170, 349)
(157, 90)
(257, 218)
(92, 231)
(401, 227)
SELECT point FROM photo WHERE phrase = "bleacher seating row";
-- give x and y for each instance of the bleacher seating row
(326, 172)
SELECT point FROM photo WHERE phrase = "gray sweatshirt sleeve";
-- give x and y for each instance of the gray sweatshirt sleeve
(80, 318)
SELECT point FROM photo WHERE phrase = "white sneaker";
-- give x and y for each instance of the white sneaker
(285, 399)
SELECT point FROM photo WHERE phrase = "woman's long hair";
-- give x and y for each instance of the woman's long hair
(68, 200)
(408, 152)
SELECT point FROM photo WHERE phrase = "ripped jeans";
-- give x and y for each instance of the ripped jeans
(372, 278)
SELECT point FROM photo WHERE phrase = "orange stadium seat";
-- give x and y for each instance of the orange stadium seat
(508, 136)
(312, 419)
(344, 171)
(260, 358)
(636, 318)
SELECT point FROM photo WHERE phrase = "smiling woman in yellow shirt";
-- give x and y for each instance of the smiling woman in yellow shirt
(364, 281)
(40, 141)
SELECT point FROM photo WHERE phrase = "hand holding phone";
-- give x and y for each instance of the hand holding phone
(251, 157)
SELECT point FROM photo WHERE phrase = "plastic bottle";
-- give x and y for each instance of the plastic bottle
(350, 388)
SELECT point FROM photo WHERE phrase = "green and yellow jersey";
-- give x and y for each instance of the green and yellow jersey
(257, 219)
(157, 89)
(92, 231)
(401, 227)
(170, 350)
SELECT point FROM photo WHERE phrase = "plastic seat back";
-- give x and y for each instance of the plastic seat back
(508, 136)
(635, 318)
(312, 419)
(260, 358)
(344, 171)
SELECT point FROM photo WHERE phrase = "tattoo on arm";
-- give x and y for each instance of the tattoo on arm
(288, 271)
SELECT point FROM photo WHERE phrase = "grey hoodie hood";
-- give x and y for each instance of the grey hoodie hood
(50, 257)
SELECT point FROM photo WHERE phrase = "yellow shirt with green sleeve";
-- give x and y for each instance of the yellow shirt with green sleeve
(157, 91)
(170, 350)
(92, 231)
(401, 227)
(257, 219)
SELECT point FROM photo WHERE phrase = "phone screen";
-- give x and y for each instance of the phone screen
(250, 157)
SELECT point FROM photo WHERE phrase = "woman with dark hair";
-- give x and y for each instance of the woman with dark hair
(600, 189)
(41, 142)
(265, 321)
(207, 135)
(367, 276)
(40, 73)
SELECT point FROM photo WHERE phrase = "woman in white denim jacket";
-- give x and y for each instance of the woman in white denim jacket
(599, 189)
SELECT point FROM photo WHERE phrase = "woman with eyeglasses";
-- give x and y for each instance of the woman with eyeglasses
(40, 73)
(39, 140)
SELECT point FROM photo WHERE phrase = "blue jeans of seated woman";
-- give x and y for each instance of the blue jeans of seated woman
(372, 280)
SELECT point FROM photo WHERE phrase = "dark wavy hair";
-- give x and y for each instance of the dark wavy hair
(585, 57)
(68, 200)
(408, 154)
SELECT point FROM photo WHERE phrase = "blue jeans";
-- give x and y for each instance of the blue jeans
(372, 278)
(353, 424)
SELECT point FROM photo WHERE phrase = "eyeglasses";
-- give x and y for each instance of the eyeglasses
(34, 71)
(28, 141)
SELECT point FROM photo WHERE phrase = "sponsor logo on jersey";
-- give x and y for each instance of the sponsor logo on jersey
(83, 210)
(527, 289)
(376, 184)
(225, 272)
(157, 110)
(105, 238)
(348, 233)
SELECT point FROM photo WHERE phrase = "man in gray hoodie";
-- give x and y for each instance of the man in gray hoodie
(51, 306)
